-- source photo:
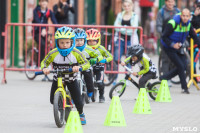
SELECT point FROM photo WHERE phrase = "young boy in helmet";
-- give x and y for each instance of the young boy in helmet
(65, 55)
(91, 55)
(136, 55)
(94, 41)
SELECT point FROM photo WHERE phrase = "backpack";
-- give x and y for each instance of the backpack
(166, 21)
(47, 15)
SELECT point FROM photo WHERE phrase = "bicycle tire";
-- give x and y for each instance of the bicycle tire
(31, 74)
(82, 92)
(94, 96)
(120, 85)
(67, 109)
(59, 113)
(155, 86)
(87, 99)
(110, 76)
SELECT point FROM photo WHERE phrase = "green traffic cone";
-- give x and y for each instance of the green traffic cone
(73, 123)
(142, 105)
(115, 116)
(163, 93)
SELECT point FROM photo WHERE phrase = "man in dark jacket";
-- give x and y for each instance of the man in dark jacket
(173, 37)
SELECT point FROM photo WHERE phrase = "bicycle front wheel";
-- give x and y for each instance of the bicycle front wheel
(117, 90)
(153, 89)
(67, 109)
(59, 112)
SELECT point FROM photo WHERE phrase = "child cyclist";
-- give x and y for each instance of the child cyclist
(65, 55)
(94, 41)
(92, 55)
(136, 55)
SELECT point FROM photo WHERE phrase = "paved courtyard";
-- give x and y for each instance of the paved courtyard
(25, 108)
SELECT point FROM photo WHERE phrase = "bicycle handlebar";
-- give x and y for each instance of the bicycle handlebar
(58, 70)
(130, 70)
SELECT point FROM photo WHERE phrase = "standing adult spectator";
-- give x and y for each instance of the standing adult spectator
(173, 37)
(196, 24)
(126, 18)
(61, 10)
(196, 15)
(165, 13)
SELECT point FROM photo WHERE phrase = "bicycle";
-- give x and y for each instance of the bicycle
(175, 80)
(32, 60)
(120, 87)
(83, 88)
(109, 77)
(62, 104)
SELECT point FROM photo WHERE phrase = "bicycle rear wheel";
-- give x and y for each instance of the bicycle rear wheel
(31, 64)
(59, 112)
(117, 90)
(94, 96)
(110, 77)
(153, 89)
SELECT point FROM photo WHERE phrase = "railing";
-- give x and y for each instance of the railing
(10, 38)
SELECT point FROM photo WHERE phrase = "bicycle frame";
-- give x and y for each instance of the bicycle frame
(63, 92)
(128, 77)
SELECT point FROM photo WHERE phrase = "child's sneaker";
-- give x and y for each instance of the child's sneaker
(83, 120)
(89, 96)
(101, 99)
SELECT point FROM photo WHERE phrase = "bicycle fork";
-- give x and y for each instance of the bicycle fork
(122, 81)
(63, 92)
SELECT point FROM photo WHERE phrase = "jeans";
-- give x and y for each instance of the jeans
(179, 61)
(122, 49)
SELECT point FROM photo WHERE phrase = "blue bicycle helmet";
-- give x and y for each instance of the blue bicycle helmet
(65, 33)
(80, 34)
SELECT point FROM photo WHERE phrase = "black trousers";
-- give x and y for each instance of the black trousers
(99, 73)
(74, 91)
(42, 45)
(165, 61)
(143, 80)
(179, 61)
(88, 80)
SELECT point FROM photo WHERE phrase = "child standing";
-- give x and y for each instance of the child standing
(41, 14)
(92, 55)
(94, 41)
(136, 55)
(67, 56)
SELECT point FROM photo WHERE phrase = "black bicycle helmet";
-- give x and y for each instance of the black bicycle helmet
(136, 50)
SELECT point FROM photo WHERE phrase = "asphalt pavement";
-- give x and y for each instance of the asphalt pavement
(25, 108)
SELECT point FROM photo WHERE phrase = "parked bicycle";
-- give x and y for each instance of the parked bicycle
(62, 104)
(32, 60)
(109, 77)
(119, 88)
